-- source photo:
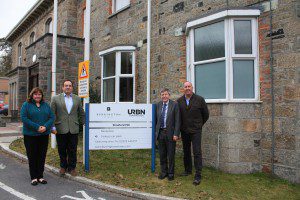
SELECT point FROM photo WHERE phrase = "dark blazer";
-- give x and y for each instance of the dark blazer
(65, 122)
(193, 116)
(173, 119)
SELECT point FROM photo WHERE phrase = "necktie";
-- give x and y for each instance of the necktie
(162, 116)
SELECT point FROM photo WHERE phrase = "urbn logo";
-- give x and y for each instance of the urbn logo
(136, 112)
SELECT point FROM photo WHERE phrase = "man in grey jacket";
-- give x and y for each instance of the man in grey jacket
(69, 115)
(167, 133)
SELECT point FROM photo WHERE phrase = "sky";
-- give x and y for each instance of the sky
(11, 12)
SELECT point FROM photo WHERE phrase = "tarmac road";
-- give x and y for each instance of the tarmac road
(15, 184)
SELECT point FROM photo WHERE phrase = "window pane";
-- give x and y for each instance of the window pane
(126, 89)
(121, 4)
(210, 42)
(50, 27)
(242, 37)
(210, 80)
(126, 63)
(109, 65)
(243, 79)
(109, 90)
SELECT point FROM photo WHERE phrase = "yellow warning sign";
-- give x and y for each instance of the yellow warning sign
(83, 79)
(83, 70)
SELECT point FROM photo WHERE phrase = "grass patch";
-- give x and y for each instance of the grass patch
(131, 169)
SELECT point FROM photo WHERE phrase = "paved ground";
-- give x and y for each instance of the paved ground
(15, 183)
(15, 180)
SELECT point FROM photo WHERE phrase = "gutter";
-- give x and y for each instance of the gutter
(272, 93)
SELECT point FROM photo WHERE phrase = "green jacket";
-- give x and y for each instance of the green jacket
(65, 122)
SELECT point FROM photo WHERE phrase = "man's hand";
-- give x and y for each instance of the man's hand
(175, 138)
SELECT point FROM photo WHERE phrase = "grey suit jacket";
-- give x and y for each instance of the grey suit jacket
(173, 119)
(65, 122)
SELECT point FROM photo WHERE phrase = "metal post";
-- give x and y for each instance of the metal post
(86, 136)
(86, 30)
(148, 50)
(54, 50)
(153, 157)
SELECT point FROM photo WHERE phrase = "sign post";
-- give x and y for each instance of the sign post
(86, 138)
(116, 126)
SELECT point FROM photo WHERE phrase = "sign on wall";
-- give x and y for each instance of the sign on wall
(83, 79)
(120, 126)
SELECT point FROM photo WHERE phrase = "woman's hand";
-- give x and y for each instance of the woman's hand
(42, 129)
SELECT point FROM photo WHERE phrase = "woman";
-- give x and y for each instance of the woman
(37, 119)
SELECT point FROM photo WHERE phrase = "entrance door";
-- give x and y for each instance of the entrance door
(33, 78)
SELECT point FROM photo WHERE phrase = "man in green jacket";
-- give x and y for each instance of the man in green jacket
(69, 114)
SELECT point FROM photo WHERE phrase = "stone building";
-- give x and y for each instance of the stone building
(31, 41)
(241, 55)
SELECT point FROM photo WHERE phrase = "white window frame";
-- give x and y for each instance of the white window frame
(228, 16)
(49, 26)
(118, 50)
(114, 6)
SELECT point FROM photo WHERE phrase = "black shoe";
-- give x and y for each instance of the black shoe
(34, 182)
(162, 176)
(185, 173)
(171, 177)
(42, 181)
(197, 181)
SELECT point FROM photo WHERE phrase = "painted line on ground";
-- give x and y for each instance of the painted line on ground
(15, 192)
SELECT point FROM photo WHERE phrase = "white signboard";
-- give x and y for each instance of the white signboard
(120, 126)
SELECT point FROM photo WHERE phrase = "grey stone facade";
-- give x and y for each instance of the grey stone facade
(237, 137)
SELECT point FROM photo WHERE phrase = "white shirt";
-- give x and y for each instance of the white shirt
(165, 114)
(69, 102)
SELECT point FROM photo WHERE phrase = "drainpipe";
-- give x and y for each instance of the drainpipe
(54, 47)
(272, 91)
(87, 34)
(148, 50)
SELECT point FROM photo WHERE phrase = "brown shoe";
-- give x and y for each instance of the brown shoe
(62, 171)
(73, 172)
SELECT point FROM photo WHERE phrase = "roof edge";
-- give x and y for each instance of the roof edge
(32, 9)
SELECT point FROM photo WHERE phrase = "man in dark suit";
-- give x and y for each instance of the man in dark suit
(167, 133)
(194, 114)
(68, 110)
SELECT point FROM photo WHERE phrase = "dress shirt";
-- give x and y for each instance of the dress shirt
(166, 112)
(187, 101)
(69, 102)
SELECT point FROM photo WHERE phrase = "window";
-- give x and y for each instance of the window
(119, 5)
(223, 56)
(49, 26)
(118, 66)
(32, 38)
(20, 54)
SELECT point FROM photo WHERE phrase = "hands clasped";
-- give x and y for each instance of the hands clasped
(42, 129)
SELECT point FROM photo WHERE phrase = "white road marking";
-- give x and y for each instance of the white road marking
(2, 166)
(84, 194)
(15, 192)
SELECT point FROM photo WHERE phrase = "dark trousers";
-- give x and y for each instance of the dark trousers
(67, 150)
(195, 140)
(36, 150)
(166, 153)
